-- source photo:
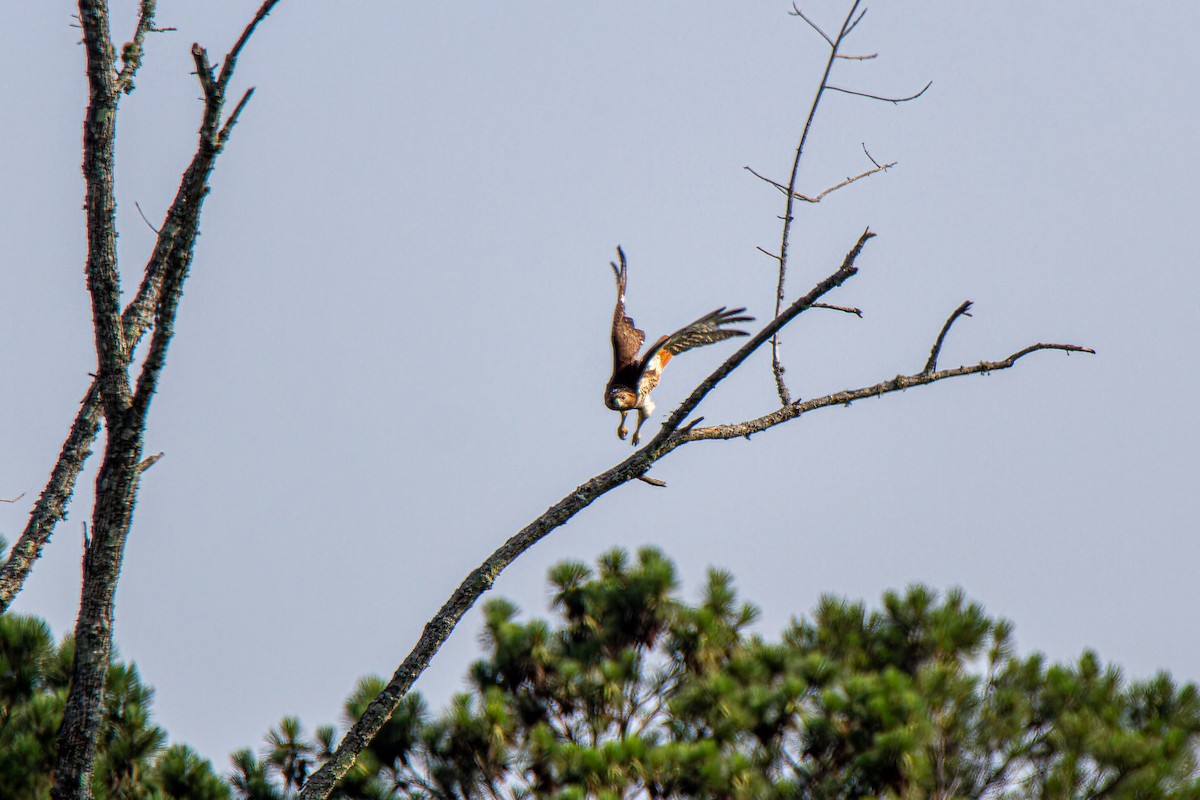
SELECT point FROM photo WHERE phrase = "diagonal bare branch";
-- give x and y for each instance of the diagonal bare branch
(931, 364)
(232, 56)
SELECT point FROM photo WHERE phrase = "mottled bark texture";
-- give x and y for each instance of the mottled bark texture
(123, 407)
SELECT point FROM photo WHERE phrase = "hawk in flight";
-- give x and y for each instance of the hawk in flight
(634, 378)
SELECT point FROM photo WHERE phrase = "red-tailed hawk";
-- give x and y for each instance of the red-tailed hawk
(634, 378)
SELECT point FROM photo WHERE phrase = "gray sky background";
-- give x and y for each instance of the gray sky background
(393, 344)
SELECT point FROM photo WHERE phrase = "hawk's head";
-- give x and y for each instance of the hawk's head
(621, 398)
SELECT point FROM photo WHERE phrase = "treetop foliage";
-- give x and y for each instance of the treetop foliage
(628, 691)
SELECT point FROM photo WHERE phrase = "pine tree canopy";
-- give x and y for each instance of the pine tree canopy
(628, 691)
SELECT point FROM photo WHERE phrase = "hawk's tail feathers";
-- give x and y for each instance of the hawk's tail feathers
(621, 272)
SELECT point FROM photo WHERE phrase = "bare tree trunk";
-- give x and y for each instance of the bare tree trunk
(125, 407)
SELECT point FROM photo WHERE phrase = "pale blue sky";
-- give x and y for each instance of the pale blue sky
(393, 344)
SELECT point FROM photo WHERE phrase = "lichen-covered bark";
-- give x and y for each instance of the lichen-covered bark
(124, 410)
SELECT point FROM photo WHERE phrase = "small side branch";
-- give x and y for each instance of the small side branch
(131, 53)
(892, 100)
(13, 500)
(227, 128)
(819, 197)
(148, 462)
(962, 311)
(844, 309)
(897, 384)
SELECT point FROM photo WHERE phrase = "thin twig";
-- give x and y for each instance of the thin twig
(868, 153)
(867, 57)
(854, 24)
(767, 253)
(15, 499)
(844, 309)
(962, 311)
(149, 224)
(796, 12)
(652, 481)
(818, 198)
(893, 100)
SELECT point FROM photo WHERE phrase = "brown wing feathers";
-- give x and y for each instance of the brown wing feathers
(626, 339)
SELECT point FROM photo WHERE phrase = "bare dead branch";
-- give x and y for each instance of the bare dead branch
(131, 53)
(782, 188)
(141, 213)
(768, 333)
(868, 153)
(652, 481)
(149, 462)
(846, 31)
(767, 253)
(204, 70)
(844, 309)
(100, 204)
(893, 100)
(818, 198)
(136, 319)
(796, 12)
(845, 398)
(962, 311)
(866, 57)
(788, 217)
(227, 128)
(15, 499)
(321, 783)
(232, 56)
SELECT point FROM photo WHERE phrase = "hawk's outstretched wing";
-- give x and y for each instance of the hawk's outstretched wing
(706, 330)
(626, 339)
